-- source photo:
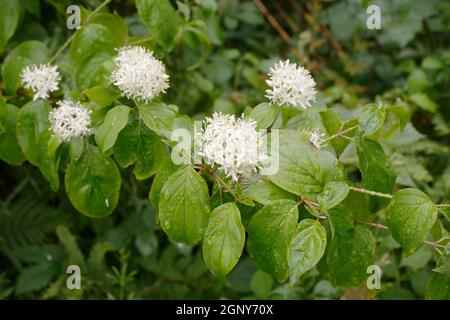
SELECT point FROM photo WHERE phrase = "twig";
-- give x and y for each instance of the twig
(273, 21)
(372, 193)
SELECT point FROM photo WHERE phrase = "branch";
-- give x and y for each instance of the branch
(273, 21)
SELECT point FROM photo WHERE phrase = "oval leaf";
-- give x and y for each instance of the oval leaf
(410, 217)
(93, 183)
(184, 206)
(224, 239)
(270, 232)
(306, 249)
(115, 120)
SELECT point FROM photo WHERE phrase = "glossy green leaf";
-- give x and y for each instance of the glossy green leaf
(264, 114)
(115, 120)
(25, 54)
(48, 162)
(10, 150)
(138, 145)
(161, 19)
(224, 239)
(266, 192)
(184, 206)
(303, 170)
(410, 217)
(32, 120)
(102, 95)
(333, 125)
(377, 171)
(349, 255)
(158, 117)
(270, 232)
(306, 248)
(372, 118)
(9, 17)
(333, 194)
(93, 183)
(165, 171)
(438, 287)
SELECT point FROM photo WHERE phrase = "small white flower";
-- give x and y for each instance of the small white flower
(291, 85)
(315, 137)
(138, 74)
(41, 79)
(70, 120)
(232, 144)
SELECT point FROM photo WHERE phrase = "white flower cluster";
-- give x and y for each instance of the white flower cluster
(291, 85)
(138, 74)
(70, 120)
(315, 137)
(232, 144)
(41, 79)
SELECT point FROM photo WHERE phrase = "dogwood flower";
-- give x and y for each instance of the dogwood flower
(138, 74)
(315, 137)
(291, 85)
(233, 144)
(70, 120)
(40, 79)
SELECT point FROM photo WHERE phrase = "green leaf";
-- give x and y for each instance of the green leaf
(303, 170)
(32, 120)
(372, 118)
(224, 239)
(9, 17)
(184, 206)
(266, 192)
(93, 183)
(349, 255)
(95, 70)
(424, 102)
(161, 19)
(158, 117)
(48, 162)
(138, 145)
(438, 287)
(115, 120)
(36, 277)
(91, 39)
(115, 24)
(164, 172)
(102, 95)
(333, 194)
(270, 232)
(265, 115)
(10, 150)
(306, 249)
(333, 124)
(25, 54)
(410, 217)
(401, 111)
(377, 171)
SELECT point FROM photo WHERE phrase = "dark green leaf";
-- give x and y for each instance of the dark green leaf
(224, 239)
(184, 206)
(410, 217)
(269, 234)
(93, 183)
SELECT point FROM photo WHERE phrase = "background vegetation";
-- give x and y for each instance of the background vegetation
(218, 58)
